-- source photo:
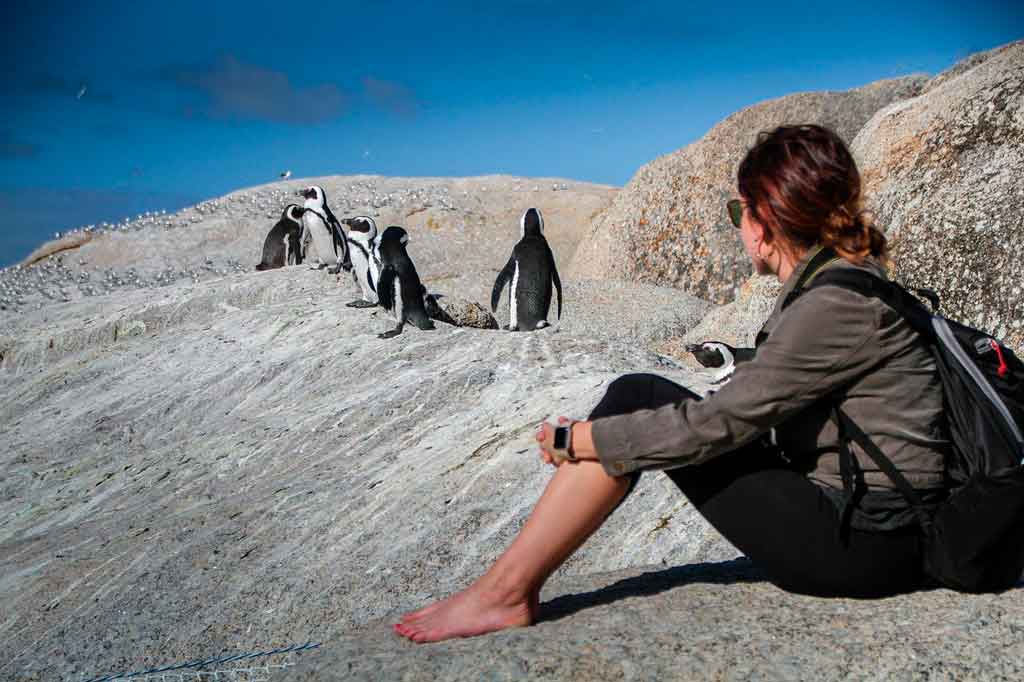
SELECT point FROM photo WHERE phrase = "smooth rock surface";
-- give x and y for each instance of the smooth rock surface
(240, 463)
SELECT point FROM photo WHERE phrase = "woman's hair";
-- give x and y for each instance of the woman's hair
(802, 184)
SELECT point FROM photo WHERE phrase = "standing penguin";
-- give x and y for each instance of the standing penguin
(400, 291)
(283, 245)
(531, 270)
(362, 241)
(320, 225)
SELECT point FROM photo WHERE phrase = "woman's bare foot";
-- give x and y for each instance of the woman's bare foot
(476, 610)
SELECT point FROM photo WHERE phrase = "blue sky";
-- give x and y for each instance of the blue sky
(186, 100)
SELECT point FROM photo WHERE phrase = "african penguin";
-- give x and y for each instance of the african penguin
(320, 225)
(720, 356)
(283, 244)
(362, 242)
(530, 271)
(399, 289)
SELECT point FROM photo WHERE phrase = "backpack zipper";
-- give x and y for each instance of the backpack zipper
(1003, 367)
(944, 332)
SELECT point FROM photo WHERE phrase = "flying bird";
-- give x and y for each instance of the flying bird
(287, 174)
(81, 91)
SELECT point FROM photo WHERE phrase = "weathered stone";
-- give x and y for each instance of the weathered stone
(669, 225)
(459, 312)
(943, 173)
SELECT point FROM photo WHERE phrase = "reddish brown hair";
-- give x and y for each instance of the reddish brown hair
(802, 184)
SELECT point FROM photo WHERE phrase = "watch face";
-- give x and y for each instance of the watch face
(561, 437)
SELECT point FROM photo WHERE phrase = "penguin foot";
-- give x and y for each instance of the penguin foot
(360, 304)
(391, 334)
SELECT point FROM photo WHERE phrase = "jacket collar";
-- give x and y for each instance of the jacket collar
(794, 277)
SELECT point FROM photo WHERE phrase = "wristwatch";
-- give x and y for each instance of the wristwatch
(563, 443)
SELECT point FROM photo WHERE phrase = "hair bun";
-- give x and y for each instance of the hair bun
(853, 234)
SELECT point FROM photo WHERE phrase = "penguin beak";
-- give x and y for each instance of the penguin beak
(692, 347)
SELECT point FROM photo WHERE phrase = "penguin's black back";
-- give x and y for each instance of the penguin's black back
(533, 287)
(394, 256)
(273, 251)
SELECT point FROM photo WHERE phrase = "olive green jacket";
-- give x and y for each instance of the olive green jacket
(829, 342)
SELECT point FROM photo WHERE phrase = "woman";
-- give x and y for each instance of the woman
(759, 458)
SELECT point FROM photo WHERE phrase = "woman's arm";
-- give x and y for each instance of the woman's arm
(825, 340)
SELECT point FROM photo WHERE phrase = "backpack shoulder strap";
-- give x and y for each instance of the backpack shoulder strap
(890, 293)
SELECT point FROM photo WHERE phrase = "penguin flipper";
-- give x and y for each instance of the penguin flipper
(386, 288)
(504, 277)
(339, 238)
(557, 281)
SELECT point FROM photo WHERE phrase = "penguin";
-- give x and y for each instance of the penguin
(399, 290)
(362, 242)
(320, 226)
(720, 356)
(530, 271)
(283, 245)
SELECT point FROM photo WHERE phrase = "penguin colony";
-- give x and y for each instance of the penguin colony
(380, 264)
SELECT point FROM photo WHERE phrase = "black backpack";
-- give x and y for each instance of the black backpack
(974, 540)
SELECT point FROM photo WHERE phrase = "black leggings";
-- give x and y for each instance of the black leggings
(782, 521)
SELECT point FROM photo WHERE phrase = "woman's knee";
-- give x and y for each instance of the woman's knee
(639, 391)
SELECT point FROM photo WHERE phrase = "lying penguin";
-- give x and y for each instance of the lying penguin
(362, 242)
(719, 356)
(399, 290)
(283, 245)
(530, 271)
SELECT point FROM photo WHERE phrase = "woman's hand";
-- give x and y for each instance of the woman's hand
(546, 439)
(581, 443)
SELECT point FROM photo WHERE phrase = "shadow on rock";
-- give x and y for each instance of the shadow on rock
(740, 570)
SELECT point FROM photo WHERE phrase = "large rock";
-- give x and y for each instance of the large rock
(943, 172)
(707, 621)
(241, 463)
(669, 224)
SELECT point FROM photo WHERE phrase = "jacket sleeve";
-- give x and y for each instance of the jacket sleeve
(826, 339)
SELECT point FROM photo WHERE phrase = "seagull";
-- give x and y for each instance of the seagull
(287, 174)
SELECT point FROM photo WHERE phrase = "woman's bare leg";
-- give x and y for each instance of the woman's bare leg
(574, 504)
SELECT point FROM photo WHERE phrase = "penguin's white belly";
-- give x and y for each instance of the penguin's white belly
(398, 309)
(322, 241)
(513, 319)
(364, 270)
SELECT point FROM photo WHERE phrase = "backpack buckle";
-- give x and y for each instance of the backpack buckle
(983, 345)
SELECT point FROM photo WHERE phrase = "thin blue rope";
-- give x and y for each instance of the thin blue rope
(208, 661)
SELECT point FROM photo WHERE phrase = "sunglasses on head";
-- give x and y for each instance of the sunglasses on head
(735, 207)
